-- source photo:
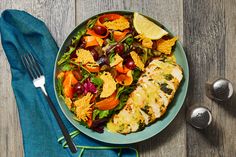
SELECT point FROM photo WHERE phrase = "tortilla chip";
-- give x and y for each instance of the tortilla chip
(165, 46)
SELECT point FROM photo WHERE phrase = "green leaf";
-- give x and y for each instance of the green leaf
(77, 37)
(59, 87)
(124, 90)
(144, 57)
(136, 73)
(85, 74)
(129, 41)
(66, 56)
(111, 56)
(97, 81)
(123, 100)
(101, 113)
(91, 23)
(67, 67)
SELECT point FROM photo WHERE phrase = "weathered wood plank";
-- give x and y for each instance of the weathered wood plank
(209, 31)
(60, 19)
(172, 140)
(230, 73)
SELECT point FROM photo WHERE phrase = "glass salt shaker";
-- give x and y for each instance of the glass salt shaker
(199, 117)
(220, 90)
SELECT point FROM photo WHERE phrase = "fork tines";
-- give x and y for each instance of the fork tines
(31, 65)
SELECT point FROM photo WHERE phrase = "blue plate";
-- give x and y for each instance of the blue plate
(149, 131)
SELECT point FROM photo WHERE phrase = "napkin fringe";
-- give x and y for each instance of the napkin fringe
(73, 134)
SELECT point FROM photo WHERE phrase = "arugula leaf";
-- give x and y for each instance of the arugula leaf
(77, 37)
(85, 74)
(66, 55)
(123, 100)
(97, 81)
(92, 22)
(124, 90)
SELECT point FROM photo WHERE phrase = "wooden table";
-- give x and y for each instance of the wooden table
(207, 29)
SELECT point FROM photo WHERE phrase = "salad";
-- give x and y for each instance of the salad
(104, 62)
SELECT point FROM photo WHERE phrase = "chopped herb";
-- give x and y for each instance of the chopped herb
(165, 89)
(150, 79)
(168, 77)
(145, 109)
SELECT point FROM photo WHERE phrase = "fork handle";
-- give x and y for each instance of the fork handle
(60, 122)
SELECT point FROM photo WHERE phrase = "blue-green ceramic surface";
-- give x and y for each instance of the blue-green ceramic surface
(149, 131)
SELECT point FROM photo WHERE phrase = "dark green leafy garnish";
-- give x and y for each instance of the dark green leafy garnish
(165, 89)
(168, 77)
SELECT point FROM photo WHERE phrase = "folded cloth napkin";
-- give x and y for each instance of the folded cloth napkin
(21, 33)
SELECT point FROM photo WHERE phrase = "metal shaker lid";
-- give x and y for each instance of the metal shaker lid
(199, 117)
(221, 89)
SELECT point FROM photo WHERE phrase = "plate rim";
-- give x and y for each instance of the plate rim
(186, 78)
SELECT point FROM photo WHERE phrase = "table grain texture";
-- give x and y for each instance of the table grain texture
(207, 30)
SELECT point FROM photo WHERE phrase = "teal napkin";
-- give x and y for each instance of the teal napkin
(21, 33)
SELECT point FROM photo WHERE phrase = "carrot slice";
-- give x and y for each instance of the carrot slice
(118, 35)
(90, 119)
(67, 84)
(68, 91)
(108, 17)
(90, 41)
(92, 32)
(125, 79)
(69, 79)
(108, 103)
(121, 68)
